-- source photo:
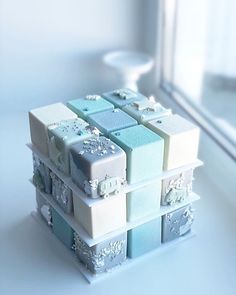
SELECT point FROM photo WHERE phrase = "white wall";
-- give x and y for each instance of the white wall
(51, 49)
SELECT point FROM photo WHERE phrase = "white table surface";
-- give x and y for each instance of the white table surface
(205, 264)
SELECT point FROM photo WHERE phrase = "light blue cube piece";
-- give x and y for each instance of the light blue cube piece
(144, 152)
(144, 201)
(88, 105)
(146, 110)
(144, 238)
(62, 229)
(111, 120)
(122, 97)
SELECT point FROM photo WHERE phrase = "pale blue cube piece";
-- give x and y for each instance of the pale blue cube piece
(62, 229)
(144, 152)
(144, 238)
(111, 120)
(88, 105)
(143, 201)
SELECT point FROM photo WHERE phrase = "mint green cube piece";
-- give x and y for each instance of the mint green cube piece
(144, 201)
(144, 152)
(144, 238)
(62, 229)
(88, 105)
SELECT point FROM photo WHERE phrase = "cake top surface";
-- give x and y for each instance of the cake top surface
(172, 125)
(123, 96)
(111, 120)
(135, 137)
(53, 113)
(96, 148)
(70, 129)
(89, 104)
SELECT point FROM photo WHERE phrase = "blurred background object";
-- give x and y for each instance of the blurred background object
(130, 65)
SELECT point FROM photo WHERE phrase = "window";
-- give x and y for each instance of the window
(199, 63)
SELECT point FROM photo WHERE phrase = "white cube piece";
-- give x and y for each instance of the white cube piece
(103, 216)
(181, 140)
(43, 117)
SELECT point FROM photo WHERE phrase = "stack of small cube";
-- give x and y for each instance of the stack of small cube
(105, 145)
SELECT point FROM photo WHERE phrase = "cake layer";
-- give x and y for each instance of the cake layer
(144, 238)
(122, 97)
(88, 105)
(61, 136)
(111, 120)
(104, 256)
(144, 151)
(177, 223)
(61, 193)
(176, 188)
(126, 188)
(181, 140)
(98, 166)
(102, 217)
(143, 202)
(70, 219)
(146, 110)
(43, 117)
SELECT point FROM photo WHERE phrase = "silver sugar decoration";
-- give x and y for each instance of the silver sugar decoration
(98, 146)
(92, 97)
(176, 191)
(60, 190)
(98, 260)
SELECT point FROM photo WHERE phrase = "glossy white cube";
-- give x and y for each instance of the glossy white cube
(43, 117)
(104, 216)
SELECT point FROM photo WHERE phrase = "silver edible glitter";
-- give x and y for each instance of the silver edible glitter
(98, 260)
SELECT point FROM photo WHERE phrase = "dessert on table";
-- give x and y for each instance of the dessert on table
(113, 175)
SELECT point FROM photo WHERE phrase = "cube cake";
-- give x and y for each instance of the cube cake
(62, 229)
(61, 193)
(111, 120)
(102, 217)
(138, 141)
(181, 140)
(41, 175)
(146, 110)
(144, 238)
(176, 188)
(61, 136)
(88, 105)
(111, 199)
(103, 256)
(122, 97)
(177, 223)
(98, 166)
(143, 201)
(43, 117)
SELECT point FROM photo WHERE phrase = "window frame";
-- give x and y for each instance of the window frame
(166, 22)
